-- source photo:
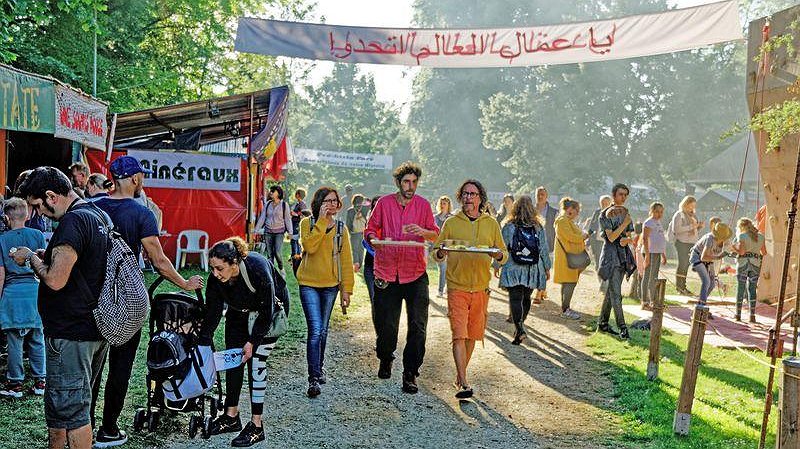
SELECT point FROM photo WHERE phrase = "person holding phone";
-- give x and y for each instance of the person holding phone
(326, 249)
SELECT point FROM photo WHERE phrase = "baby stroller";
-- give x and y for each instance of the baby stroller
(180, 373)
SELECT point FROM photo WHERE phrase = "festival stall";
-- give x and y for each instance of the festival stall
(44, 122)
(209, 160)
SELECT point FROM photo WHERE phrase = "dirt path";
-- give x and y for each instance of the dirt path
(548, 393)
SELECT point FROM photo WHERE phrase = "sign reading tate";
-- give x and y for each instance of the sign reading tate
(183, 170)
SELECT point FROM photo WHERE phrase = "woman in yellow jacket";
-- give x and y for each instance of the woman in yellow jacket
(569, 239)
(326, 249)
(468, 274)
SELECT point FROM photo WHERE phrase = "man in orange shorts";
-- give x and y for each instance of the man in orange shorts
(468, 274)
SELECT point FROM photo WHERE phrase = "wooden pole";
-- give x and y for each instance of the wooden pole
(775, 332)
(683, 414)
(655, 330)
(789, 409)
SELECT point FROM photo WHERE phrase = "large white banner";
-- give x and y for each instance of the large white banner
(602, 40)
(182, 170)
(80, 118)
(341, 159)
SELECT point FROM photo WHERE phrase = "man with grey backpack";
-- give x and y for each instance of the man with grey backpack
(136, 226)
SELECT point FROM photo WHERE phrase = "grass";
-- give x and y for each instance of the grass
(22, 423)
(729, 396)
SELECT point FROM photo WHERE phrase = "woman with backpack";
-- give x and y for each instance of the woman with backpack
(324, 272)
(569, 239)
(275, 221)
(249, 285)
(528, 267)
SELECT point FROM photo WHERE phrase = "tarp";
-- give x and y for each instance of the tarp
(726, 167)
(601, 40)
(220, 213)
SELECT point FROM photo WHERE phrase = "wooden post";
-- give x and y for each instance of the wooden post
(789, 409)
(655, 330)
(683, 414)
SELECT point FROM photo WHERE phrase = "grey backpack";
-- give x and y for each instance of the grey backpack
(123, 305)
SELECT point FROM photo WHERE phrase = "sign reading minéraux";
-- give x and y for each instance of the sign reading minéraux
(181, 170)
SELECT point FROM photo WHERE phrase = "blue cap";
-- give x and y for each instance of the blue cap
(126, 166)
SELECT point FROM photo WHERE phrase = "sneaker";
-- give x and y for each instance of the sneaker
(12, 389)
(385, 370)
(313, 389)
(38, 387)
(574, 315)
(323, 379)
(108, 439)
(607, 329)
(249, 436)
(623, 334)
(410, 383)
(440, 295)
(226, 424)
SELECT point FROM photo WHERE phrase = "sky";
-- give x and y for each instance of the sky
(393, 83)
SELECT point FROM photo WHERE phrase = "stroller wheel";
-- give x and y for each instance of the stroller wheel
(194, 424)
(139, 419)
(207, 427)
(152, 421)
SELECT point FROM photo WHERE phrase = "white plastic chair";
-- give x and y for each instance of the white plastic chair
(193, 242)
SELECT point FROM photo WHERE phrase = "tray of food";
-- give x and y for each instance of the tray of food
(462, 248)
(389, 242)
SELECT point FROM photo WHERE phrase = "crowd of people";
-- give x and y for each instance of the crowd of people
(48, 289)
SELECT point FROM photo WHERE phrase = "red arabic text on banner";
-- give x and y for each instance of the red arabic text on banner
(601, 40)
(80, 118)
(220, 213)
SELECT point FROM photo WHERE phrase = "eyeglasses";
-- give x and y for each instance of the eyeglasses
(333, 201)
(469, 194)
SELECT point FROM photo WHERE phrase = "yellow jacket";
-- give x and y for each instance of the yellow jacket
(471, 272)
(318, 267)
(571, 237)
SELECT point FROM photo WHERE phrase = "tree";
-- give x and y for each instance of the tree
(344, 114)
(150, 52)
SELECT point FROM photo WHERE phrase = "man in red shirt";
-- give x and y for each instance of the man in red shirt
(400, 272)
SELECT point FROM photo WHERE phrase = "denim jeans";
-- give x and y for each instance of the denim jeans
(683, 250)
(369, 279)
(613, 299)
(274, 243)
(746, 289)
(16, 338)
(317, 306)
(648, 289)
(707, 279)
(442, 276)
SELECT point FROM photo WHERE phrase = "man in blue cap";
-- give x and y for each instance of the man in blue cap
(138, 227)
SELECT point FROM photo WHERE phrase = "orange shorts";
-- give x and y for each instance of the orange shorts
(467, 313)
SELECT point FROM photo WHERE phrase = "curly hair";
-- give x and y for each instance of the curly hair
(406, 168)
(481, 193)
(523, 213)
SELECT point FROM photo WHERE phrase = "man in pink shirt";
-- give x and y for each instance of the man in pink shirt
(400, 272)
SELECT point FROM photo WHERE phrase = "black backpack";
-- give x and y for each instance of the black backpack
(167, 357)
(524, 247)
